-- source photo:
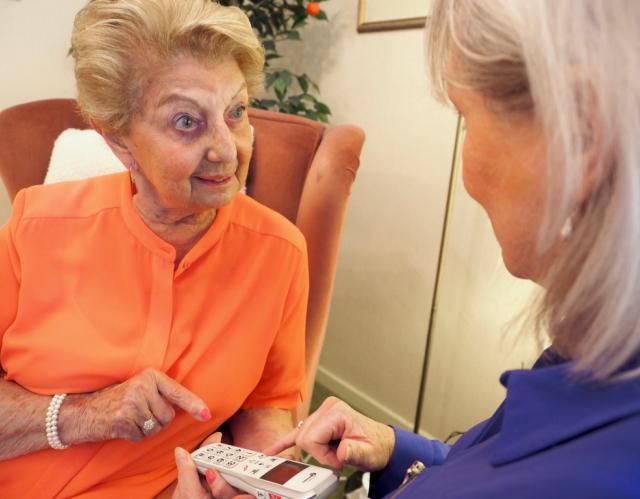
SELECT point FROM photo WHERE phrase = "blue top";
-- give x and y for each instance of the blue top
(554, 436)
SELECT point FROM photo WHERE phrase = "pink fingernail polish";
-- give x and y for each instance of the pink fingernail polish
(210, 476)
(205, 414)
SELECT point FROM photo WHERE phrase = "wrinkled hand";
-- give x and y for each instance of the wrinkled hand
(337, 435)
(189, 485)
(119, 411)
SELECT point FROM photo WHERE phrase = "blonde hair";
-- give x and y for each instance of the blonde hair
(116, 43)
(573, 65)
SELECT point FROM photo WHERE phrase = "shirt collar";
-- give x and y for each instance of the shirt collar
(549, 404)
(157, 245)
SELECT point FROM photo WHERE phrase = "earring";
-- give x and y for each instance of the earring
(131, 167)
(567, 229)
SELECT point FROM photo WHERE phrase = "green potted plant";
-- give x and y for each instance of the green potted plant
(276, 21)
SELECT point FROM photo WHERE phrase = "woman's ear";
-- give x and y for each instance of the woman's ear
(597, 166)
(119, 147)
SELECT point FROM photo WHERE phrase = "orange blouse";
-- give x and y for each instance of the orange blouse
(90, 297)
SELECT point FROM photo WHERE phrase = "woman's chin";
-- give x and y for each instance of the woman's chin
(215, 196)
(515, 266)
(522, 268)
(220, 200)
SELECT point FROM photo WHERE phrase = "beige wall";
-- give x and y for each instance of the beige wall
(383, 10)
(34, 40)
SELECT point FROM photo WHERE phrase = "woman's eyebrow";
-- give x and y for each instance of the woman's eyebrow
(167, 99)
(242, 87)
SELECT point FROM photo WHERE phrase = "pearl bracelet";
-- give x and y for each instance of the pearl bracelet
(52, 422)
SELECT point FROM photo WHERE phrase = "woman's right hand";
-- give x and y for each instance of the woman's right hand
(337, 435)
(119, 411)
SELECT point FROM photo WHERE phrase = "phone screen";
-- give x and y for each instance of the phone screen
(283, 472)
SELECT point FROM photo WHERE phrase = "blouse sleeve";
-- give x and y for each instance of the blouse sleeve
(409, 448)
(10, 266)
(283, 378)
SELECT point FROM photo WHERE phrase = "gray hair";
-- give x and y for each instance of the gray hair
(574, 65)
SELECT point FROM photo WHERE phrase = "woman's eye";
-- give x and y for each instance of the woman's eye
(237, 112)
(184, 122)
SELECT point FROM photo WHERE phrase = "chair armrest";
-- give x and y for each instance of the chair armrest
(320, 217)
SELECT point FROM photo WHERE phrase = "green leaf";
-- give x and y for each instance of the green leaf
(304, 75)
(258, 104)
(322, 16)
(322, 108)
(304, 84)
(270, 79)
(281, 88)
(299, 22)
(264, 103)
(282, 108)
(287, 77)
(293, 35)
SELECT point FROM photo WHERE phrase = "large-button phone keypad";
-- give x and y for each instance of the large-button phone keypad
(242, 460)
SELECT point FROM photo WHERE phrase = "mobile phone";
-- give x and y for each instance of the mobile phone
(266, 477)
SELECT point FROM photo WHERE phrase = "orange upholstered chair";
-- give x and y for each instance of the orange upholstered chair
(300, 168)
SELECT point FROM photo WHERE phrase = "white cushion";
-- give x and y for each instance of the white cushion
(79, 154)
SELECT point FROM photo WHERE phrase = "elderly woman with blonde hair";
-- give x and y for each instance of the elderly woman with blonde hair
(550, 95)
(142, 310)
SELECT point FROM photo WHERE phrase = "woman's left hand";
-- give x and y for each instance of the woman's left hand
(189, 485)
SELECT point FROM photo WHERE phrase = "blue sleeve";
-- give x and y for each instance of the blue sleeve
(409, 448)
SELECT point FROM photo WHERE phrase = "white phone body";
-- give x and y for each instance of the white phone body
(266, 477)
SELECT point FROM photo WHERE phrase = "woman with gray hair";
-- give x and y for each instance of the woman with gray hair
(142, 310)
(549, 93)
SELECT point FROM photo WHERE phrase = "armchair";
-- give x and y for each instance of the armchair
(300, 168)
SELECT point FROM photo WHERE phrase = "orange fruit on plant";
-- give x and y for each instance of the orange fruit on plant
(313, 8)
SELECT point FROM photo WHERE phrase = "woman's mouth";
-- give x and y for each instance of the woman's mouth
(214, 180)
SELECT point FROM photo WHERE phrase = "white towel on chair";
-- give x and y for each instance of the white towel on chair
(79, 154)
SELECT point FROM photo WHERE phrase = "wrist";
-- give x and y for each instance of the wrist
(51, 421)
(389, 441)
(70, 427)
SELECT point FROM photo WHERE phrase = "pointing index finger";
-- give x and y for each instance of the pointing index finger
(177, 394)
(289, 440)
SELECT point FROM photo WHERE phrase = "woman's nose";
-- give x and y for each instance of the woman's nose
(222, 147)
